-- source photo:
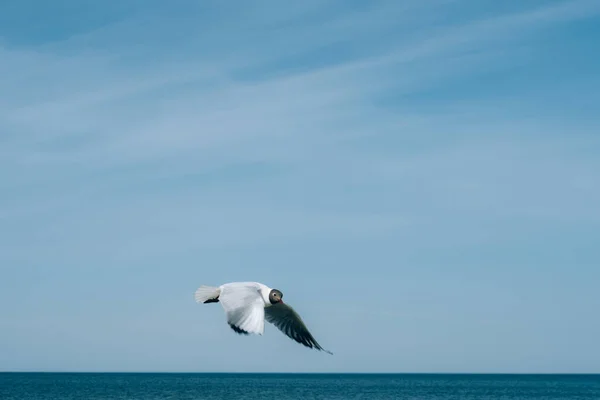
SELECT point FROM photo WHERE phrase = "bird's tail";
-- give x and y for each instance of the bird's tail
(207, 294)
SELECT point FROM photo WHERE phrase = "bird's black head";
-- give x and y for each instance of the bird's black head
(275, 296)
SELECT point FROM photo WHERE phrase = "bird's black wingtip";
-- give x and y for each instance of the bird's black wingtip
(326, 351)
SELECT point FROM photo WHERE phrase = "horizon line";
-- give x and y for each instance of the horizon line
(294, 373)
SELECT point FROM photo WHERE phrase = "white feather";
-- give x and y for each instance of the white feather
(244, 306)
(204, 293)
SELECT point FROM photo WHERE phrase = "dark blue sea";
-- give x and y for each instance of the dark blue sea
(109, 386)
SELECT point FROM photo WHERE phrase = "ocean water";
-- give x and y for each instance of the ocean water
(66, 386)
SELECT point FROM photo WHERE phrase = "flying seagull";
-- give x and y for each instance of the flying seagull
(248, 304)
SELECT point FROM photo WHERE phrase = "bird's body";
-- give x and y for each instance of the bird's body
(248, 304)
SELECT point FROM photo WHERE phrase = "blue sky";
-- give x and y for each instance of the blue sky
(420, 179)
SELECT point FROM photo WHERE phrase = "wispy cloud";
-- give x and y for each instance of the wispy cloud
(95, 111)
(92, 111)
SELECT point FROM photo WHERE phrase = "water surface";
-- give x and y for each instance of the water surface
(113, 386)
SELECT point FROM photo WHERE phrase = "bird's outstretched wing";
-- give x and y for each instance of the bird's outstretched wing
(289, 322)
(244, 308)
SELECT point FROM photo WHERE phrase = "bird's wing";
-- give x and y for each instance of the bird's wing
(289, 322)
(244, 308)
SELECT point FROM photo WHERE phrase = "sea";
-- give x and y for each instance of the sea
(150, 386)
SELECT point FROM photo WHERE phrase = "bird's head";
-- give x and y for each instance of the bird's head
(275, 296)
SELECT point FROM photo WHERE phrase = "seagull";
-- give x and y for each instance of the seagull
(248, 304)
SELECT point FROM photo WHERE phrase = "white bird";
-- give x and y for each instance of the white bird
(248, 304)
